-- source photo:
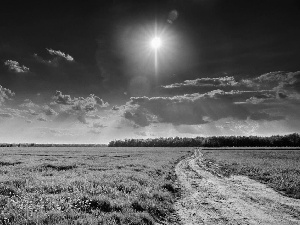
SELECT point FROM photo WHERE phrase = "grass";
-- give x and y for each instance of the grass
(278, 169)
(88, 185)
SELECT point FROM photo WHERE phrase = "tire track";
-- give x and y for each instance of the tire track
(210, 198)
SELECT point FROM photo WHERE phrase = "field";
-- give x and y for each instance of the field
(279, 169)
(88, 185)
(108, 185)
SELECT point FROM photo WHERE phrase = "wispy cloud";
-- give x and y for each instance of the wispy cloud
(285, 84)
(14, 66)
(41, 60)
(60, 54)
(200, 82)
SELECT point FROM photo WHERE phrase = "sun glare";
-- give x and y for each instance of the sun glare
(156, 43)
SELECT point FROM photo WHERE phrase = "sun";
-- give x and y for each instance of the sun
(156, 43)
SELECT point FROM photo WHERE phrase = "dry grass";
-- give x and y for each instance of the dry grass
(277, 168)
(88, 185)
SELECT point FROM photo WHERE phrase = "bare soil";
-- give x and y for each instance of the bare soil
(210, 198)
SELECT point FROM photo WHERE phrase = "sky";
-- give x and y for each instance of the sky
(86, 72)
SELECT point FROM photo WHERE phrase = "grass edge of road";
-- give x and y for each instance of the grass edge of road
(280, 177)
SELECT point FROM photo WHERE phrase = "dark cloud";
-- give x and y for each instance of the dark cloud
(139, 117)
(5, 94)
(42, 119)
(265, 116)
(14, 66)
(192, 109)
(59, 98)
(82, 119)
(282, 95)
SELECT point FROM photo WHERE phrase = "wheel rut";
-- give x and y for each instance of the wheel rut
(209, 198)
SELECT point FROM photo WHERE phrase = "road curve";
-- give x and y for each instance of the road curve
(211, 199)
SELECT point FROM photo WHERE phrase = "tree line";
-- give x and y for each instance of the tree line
(49, 145)
(290, 140)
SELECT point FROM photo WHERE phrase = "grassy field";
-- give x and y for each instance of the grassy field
(88, 185)
(279, 169)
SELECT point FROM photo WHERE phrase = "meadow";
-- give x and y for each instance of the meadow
(88, 185)
(278, 168)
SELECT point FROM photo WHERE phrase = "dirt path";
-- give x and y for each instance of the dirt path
(212, 199)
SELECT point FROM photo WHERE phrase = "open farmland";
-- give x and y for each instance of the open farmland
(278, 168)
(213, 197)
(88, 185)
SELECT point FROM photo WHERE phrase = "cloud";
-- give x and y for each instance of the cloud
(6, 115)
(81, 119)
(5, 94)
(41, 60)
(139, 117)
(79, 107)
(285, 84)
(15, 112)
(193, 109)
(42, 119)
(35, 109)
(28, 104)
(87, 104)
(94, 117)
(141, 133)
(201, 82)
(14, 66)
(32, 112)
(49, 112)
(265, 116)
(60, 132)
(93, 131)
(98, 125)
(59, 98)
(115, 108)
(60, 54)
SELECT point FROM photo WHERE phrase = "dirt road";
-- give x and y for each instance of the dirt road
(212, 199)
